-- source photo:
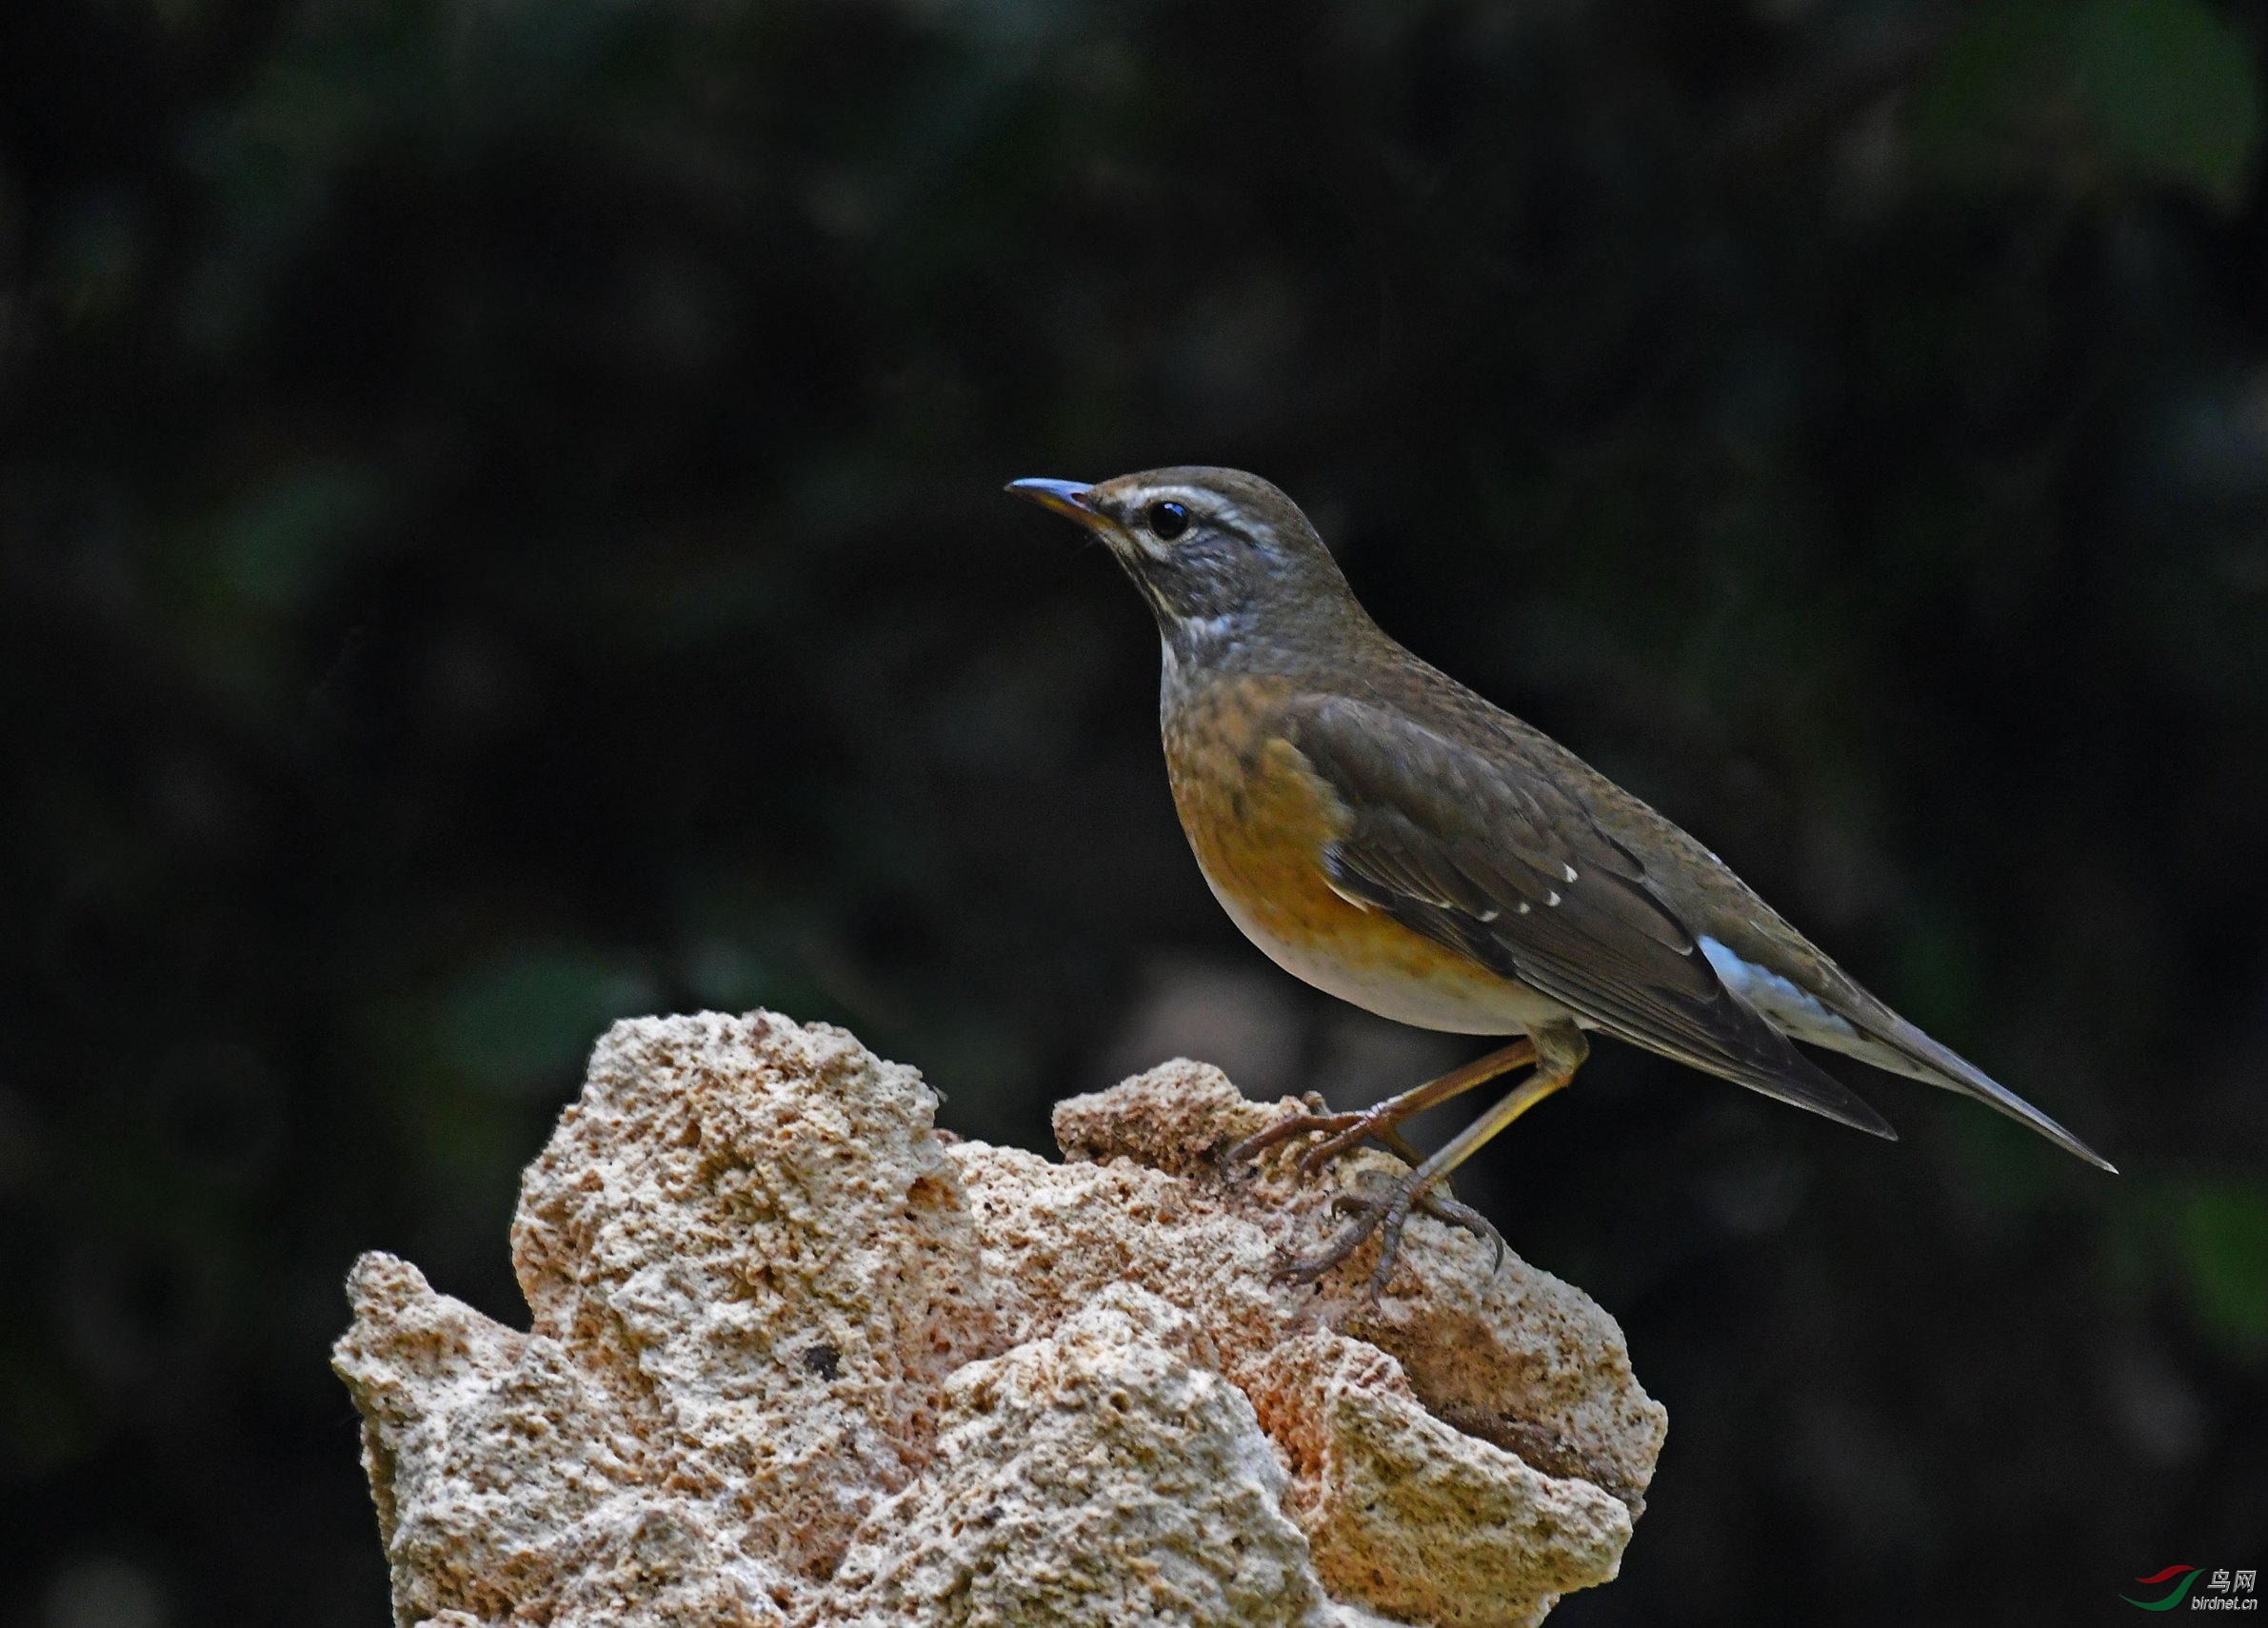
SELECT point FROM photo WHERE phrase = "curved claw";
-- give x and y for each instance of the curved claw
(1341, 1133)
(1307, 1269)
(1373, 1125)
(1447, 1210)
(1284, 1130)
(1344, 1133)
(1387, 1215)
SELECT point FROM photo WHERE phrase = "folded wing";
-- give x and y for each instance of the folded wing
(1501, 866)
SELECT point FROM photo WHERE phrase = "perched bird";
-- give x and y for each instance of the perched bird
(1388, 836)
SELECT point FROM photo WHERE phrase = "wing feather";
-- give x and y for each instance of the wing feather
(1503, 867)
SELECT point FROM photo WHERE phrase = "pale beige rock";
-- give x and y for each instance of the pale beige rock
(1075, 1462)
(797, 1358)
(750, 1230)
(506, 1479)
(1480, 1450)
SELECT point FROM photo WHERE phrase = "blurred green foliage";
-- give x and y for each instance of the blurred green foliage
(2223, 1241)
(518, 1023)
(499, 528)
(2120, 91)
(2171, 89)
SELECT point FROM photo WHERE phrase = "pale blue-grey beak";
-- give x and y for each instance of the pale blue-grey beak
(1064, 497)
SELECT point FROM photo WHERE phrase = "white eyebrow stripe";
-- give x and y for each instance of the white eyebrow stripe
(1201, 504)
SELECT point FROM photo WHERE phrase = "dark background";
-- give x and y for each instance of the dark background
(500, 528)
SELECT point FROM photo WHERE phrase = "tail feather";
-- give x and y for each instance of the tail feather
(1773, 1066)
(1898, 1045)
(1827, 1009)
(1801, 1083)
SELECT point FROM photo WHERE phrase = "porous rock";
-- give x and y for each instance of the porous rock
(797, 1358)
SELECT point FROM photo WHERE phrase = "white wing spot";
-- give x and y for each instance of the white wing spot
(1490, 915)
(1553, 897)
(1523, 909)
(1570, 870)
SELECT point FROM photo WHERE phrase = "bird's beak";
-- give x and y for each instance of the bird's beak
(1067, 498)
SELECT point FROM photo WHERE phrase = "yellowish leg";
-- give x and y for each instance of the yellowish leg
(1344, 1132)
(1559, 1051)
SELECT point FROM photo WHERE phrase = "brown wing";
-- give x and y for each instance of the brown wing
(1495, 862)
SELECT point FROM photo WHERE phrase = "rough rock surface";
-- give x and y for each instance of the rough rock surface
(798, 1359)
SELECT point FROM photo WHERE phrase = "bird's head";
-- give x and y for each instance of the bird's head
(1216, 552)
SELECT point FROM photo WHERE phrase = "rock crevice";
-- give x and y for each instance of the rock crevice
(798, 1359)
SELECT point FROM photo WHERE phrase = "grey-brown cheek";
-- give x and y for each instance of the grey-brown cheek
(1141, 544)
(1151, 595)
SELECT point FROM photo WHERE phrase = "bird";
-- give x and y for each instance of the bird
(1387, 835)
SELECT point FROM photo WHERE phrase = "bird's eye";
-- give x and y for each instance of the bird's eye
(1169, 520)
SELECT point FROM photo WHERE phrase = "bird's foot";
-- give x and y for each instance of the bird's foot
(1342, 1133)
(1386, 1215)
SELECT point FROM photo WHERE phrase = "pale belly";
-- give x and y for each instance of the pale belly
(1256, 816)
(1437, 997)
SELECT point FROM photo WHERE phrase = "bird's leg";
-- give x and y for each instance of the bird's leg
(1439, 1199)
(1559, 1051)
(1442, 1205)
(1344, 1132)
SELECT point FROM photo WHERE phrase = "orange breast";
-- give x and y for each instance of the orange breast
(1260, 819)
